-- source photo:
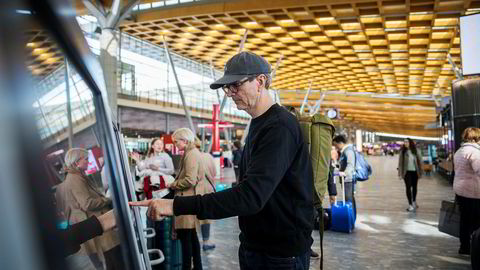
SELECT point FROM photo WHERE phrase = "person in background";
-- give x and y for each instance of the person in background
(331, 184)
(103, 175)
(347, 168)
(466, 185)
(156, 172)
(168, 150)
(410, 170)
(209, 187)
(156, 167)
(189, 182)
(237, 157)
(79, 200)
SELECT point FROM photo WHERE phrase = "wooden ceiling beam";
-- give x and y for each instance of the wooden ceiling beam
(206, 8)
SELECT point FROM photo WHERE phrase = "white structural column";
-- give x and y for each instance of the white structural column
(318, 104)
(212, 70)
(108, 60)
(180, 91)
(305, 99)
(109, 21)
(69, 106)
(359, 142)
(274, 73)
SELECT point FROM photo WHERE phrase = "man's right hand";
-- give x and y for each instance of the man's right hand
(157, 208)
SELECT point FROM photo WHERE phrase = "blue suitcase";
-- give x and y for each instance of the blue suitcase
(343, 218)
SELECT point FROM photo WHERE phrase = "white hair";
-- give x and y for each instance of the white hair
(184, 134)
(73, 155)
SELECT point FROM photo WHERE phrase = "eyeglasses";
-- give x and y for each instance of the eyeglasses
(232, 88)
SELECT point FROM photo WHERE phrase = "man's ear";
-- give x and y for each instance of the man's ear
(260, 81)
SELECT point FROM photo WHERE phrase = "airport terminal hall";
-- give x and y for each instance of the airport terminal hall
(239, 134)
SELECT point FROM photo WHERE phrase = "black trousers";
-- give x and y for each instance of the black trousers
(469, 219)
(237, 174)
(350, 196)
(411, 181)
(252, 260)
(190, 248)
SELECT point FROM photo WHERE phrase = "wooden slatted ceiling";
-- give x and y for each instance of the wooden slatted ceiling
(353, 46)
(382, 115)
(382, 46)
(43, 55)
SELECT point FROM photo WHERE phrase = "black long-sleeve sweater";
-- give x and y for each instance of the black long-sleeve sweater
(274, 199)
(79, 233)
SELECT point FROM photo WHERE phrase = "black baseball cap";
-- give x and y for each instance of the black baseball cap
(240, 66)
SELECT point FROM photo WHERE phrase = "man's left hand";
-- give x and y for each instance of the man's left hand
(332, 199)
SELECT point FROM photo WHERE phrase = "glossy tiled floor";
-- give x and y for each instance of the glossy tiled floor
(385, 237)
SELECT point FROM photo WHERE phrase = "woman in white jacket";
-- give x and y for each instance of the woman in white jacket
(156, 166)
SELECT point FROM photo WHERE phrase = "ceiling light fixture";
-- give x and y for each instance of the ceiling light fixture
(443, 27)
(421, 13)
(395, 29)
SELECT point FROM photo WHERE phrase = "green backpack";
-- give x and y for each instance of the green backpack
(318, 131)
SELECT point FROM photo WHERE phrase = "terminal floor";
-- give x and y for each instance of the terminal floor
(385, 237)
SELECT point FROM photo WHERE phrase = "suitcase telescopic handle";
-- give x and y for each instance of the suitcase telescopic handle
(343, 188)
(160, 255)
(149, 232)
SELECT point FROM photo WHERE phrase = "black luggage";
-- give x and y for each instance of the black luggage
(449, 220)
(475, 250)
(172, 249)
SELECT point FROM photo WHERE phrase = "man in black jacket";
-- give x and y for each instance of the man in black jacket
(274, 197)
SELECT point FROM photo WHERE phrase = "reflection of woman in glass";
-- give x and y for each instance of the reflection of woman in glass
(79, 200)
(157, 166)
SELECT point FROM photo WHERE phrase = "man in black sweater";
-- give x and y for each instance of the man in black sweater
(274, 197)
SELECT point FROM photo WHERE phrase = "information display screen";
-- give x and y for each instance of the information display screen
(470, 44)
